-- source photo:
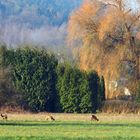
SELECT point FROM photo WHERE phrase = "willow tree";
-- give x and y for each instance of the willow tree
(109, 32)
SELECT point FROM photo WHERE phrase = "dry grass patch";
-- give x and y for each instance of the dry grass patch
(120, 106)
(103, 117)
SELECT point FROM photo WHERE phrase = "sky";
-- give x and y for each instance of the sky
(134, 4)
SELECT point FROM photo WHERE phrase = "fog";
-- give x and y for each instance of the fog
(14, 34)
(39, 22)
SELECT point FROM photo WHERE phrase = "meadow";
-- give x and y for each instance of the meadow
(30, 126)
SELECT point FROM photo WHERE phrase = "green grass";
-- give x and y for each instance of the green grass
(69, 130)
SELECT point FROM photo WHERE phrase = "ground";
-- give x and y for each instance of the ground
(70, 127)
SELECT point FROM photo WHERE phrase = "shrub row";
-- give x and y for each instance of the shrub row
(45, 85)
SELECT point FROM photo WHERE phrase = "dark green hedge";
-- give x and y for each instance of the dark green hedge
(33, 74)
(78, 91)
(46, 85)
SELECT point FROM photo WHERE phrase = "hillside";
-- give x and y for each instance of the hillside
(35, 21)
(37, 12)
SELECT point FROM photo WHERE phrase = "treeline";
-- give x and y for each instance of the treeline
(38, 82)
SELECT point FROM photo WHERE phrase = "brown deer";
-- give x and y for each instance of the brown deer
(50, 117)
(93, 117)
(4, 116)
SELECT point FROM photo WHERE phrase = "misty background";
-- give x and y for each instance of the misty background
(39, 22)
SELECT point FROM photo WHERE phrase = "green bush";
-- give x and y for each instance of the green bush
(77, 90)
(101, 94)
(93, 82)
(6, 90)
(43, 85)
(102, 88)
(33, 74)
(68, 89)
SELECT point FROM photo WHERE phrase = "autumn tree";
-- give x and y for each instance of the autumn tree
(109, 32)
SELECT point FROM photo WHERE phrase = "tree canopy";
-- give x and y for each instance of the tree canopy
(109, 32)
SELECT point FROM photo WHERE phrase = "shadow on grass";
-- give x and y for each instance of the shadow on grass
(88, 124)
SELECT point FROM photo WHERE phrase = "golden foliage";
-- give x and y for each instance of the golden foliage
(108, 23)
(81, 22)
(105, 30)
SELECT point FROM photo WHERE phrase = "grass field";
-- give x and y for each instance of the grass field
(70, 127)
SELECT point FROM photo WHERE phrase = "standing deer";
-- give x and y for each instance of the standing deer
(93, 117)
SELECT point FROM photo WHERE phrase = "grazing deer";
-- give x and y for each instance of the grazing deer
(93, 117)
(4, 116)
(50, 117)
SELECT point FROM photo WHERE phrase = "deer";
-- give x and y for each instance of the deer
(93, 117)
(4, 116)
(50, 117)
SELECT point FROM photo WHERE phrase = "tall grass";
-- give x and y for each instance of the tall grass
(120, 106)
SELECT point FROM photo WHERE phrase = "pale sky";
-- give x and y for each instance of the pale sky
(134, 4)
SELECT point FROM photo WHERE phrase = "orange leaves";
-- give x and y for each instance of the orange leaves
(98, 19)
(82, 22)
(92, 19)
(106, 26)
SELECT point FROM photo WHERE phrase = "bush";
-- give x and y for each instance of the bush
(7, 92)
(93, 81)
(77, 90)
(33, 74)
(101, 94)
(43, 85)
(67, 87)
